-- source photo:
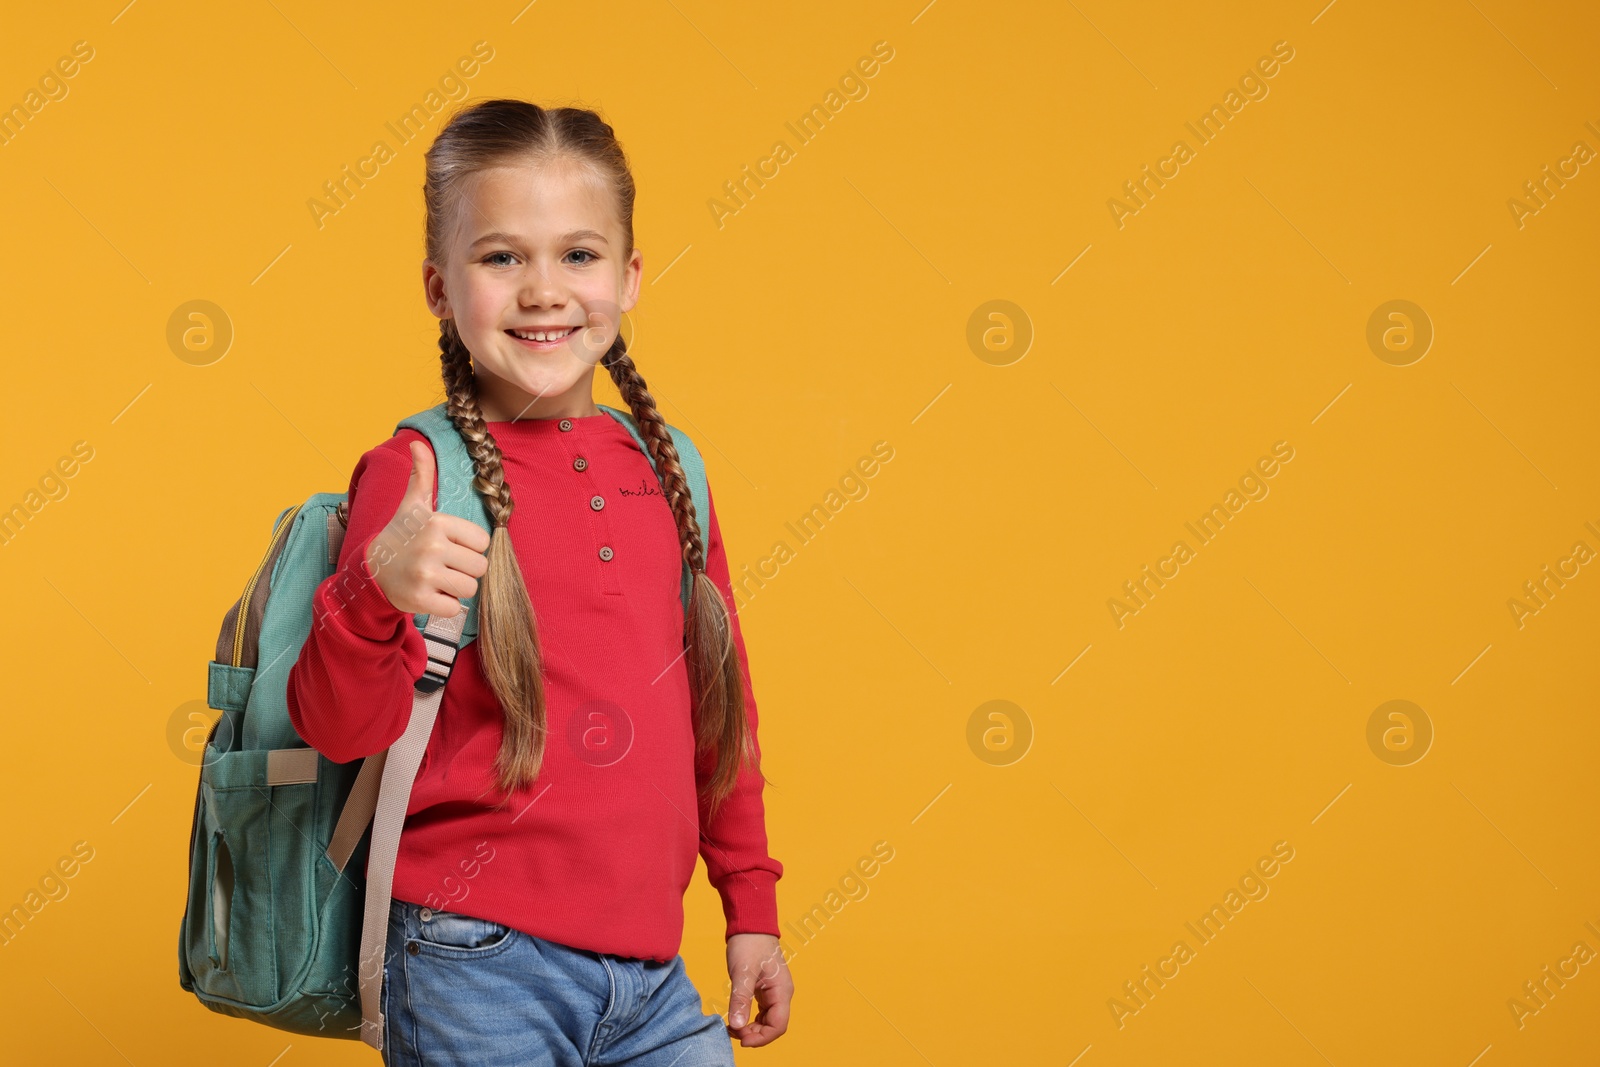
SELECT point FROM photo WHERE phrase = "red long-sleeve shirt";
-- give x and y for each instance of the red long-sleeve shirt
(598, 851)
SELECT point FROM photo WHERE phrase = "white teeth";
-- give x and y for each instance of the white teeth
(543, 335)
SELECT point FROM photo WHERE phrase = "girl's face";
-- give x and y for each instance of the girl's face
(536, 249)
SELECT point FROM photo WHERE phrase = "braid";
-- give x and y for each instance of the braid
(716, 683)
(461, 399)
(508, 639)
(653, 428)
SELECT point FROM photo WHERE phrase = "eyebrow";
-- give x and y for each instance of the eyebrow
(567, 238)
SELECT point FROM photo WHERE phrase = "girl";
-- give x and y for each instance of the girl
(544, 928)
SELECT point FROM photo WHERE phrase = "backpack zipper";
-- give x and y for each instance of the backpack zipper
(250, 587)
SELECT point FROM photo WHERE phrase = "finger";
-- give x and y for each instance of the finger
(774, 1018)
(739, 1004)
(759, 1032)
(455, 584)
(464, 532)
(442, 605)
(463, 559)
(419, 486)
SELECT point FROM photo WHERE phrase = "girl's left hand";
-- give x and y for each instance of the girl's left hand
(756, 968)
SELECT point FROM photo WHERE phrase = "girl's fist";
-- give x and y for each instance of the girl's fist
(424, 561)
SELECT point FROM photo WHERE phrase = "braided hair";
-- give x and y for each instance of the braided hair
(487, 134)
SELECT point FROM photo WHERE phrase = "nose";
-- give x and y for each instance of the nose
(540, 288)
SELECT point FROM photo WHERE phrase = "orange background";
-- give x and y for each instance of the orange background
(1041, 861)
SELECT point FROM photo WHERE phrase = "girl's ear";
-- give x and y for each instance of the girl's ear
(632, 272)
(433, 290)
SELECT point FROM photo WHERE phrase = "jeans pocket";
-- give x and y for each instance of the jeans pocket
(452, 935)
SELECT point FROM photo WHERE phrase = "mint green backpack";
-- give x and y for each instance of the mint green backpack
(280, 925)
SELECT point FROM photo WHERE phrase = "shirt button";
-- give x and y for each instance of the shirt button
(565, 424)
(597, 502)
(579, 463)
(606, 553)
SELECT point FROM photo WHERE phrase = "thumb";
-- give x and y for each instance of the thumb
(419, 487)
(739, 1000)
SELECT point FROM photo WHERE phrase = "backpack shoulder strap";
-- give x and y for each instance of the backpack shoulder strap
(453, 475)
(694, 471)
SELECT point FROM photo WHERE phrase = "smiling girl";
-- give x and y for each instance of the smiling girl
(561, 945)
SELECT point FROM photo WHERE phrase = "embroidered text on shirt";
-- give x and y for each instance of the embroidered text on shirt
(645, 489)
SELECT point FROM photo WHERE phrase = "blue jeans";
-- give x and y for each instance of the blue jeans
(465, 992)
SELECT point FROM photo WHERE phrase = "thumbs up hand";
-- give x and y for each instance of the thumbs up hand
(424, 561)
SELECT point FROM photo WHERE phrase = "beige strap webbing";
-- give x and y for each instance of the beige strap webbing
(356, 814)
(396, 774)
(335, 534)
(291, 766)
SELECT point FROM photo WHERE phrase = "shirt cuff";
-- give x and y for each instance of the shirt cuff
(355, 602)
(750, 902)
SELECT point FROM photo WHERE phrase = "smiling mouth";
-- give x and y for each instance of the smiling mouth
(547, 338)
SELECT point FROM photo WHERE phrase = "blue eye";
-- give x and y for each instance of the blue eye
(590, 256)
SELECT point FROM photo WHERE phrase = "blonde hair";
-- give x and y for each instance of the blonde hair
(494, 133)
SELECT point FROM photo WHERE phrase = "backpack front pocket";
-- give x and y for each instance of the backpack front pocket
(255, 928)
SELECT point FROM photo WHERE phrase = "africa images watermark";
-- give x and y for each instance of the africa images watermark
(1252, 886)
(1540, 191)
(852, 86)
(853, 886)
(338, 192)
(1538, 592)
(53, 888)
(1252, 83)
(1538, 993)
(52, 487)
(1253, 486)
(852, 486)
(52, 88)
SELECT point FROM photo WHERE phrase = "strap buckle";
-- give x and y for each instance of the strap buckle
(443, 638)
